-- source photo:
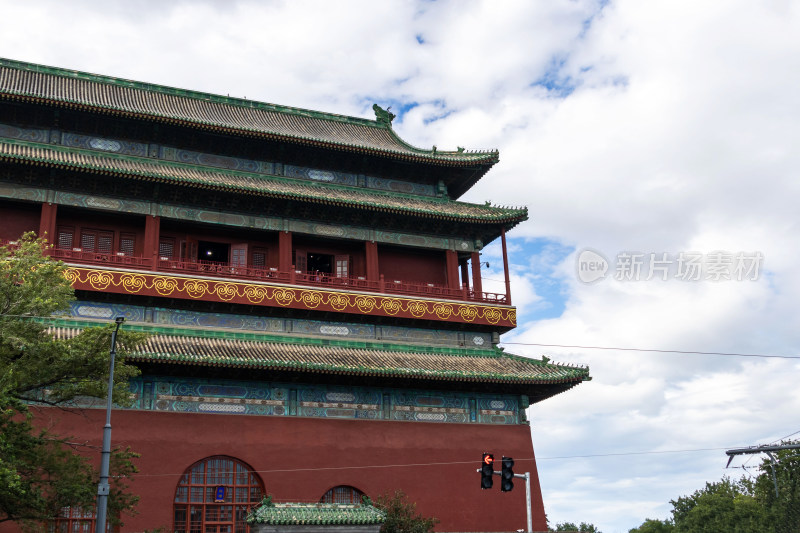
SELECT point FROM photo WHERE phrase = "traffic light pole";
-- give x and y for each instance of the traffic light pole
(527, 477)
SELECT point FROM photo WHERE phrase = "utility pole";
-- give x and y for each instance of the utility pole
(763, 449)
(103, 488)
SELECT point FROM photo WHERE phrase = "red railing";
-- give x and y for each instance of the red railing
(321, 279)
(76, 255)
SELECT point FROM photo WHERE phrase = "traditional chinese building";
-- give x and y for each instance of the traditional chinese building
(313, 289)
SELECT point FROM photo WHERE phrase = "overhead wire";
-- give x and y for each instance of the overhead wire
(449, 463)
(656, 350)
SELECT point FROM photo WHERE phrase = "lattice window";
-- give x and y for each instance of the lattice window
(127, 243)
(214, 496)
(259, 257)
(342, 494)
(65, 237)
(166, 248)
(97, 241)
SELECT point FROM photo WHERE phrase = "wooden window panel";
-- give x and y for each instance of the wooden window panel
(259, 257)
(239, 255)
(105, 242)
(342, 266)
(301, 261)
(88, 241)
(97, 241)
(65, 238)
(166, 248)
(127, 244)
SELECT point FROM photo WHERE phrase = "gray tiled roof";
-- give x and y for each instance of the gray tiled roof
(251, 183)
(215, 349)
(31, 82)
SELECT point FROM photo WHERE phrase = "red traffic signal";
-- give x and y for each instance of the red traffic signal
(487, 470)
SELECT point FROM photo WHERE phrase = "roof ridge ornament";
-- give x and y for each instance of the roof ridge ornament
(383, 116)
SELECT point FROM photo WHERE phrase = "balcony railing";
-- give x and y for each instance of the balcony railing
(77, 255)
(296, 277)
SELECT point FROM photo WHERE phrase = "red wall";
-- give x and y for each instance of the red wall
(16, 220)
(408, 264)
(373, 456)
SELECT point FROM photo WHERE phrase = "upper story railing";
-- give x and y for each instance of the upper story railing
(294, 277)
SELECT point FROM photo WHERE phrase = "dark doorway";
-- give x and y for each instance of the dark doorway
(320, 263)
(212, 251)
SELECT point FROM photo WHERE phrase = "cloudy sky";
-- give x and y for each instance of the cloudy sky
(655, 139)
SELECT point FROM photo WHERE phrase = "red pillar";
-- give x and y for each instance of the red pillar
(505, 266)
(47, 223)
(464, 274)
(152, 234)
(285, 251)
(477, 285)
(451, 266)
(371, 250)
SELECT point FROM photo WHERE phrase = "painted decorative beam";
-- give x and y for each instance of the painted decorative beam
(289, 296)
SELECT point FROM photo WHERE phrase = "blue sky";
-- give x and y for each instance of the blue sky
(657, 127)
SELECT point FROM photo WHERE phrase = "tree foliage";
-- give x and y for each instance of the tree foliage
(572, 528)
(402, 515)
(41, 472)
(740, 506)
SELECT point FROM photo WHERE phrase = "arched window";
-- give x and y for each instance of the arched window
(342, 494)
(214, 496)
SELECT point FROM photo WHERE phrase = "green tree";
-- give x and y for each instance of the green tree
(783, 509)
(402, 515)
(654, 526)
(41, 472)
(740, 506)
(571, 527)
(727, 505)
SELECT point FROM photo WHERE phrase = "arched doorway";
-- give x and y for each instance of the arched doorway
(342, 494)
(214, 496)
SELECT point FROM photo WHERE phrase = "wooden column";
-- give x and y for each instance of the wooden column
(451, 266)
(152, 235)
(285, 251)
(505, 266)
(371, 251)
(47, 224)
(464, 273)
(477, 285)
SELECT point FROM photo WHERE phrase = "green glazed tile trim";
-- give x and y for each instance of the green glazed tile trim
(316, 514)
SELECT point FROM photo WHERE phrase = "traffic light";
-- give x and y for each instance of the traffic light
(507, 475)
(487, 470)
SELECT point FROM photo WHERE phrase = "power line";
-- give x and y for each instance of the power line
(617, 349)
(450, 463)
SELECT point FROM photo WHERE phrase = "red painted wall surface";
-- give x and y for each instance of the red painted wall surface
(374, 456)
(17, 219)
(412, 265)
